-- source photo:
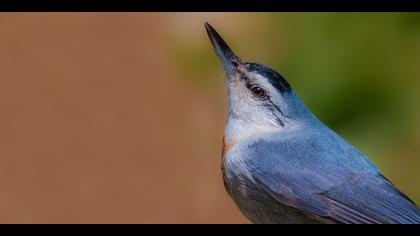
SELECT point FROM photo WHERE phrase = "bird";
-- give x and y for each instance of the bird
(282, 165)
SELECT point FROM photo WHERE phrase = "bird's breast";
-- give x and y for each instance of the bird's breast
(227, 146)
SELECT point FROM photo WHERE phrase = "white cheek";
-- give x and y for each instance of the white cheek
(247, 117)
(274, 96)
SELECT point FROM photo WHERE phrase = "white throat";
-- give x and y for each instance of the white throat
(240, 130)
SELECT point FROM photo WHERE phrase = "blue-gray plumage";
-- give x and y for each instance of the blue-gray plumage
(282, 165)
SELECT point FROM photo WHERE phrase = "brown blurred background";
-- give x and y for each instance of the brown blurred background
(118, 117)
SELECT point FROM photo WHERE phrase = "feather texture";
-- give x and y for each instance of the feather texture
(319, 174)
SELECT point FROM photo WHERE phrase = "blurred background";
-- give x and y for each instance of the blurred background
(119, 117)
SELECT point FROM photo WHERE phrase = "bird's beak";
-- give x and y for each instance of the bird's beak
(226, 55)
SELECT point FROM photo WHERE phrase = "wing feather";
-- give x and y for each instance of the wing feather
(328, 180)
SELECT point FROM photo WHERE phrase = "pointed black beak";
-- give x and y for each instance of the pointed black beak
(226, 55)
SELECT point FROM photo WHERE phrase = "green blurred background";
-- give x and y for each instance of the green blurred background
(119, 117)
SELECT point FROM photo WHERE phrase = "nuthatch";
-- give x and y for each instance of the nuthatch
(281, 164)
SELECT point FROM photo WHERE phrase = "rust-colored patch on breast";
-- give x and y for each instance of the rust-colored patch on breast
(227, 145)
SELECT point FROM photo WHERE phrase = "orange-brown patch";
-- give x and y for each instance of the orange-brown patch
(227, 145)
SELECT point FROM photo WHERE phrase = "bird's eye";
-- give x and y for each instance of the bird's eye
(258, 92)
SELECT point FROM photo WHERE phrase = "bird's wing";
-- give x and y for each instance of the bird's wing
(370, 200)
(365, 201)
(328, 181)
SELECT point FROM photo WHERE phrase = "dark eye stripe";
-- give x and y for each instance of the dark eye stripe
(274, 78)
(273, 108)
(276, 107)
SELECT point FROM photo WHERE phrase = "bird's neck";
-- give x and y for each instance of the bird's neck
(240, 130)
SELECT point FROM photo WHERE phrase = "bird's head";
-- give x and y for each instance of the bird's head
(258, 97)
